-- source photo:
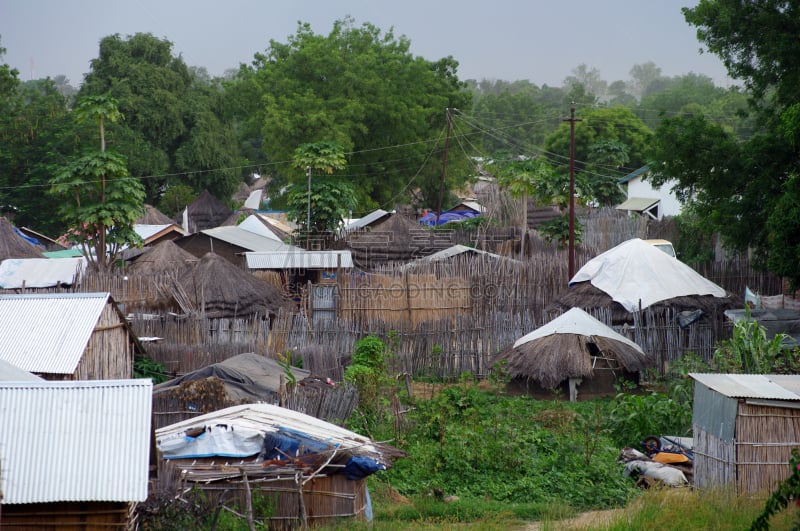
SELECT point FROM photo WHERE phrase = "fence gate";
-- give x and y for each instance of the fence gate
(324, 300)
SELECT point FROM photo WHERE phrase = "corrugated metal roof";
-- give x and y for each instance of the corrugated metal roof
(66, 253)
(246, 239)
(364, 222)
(637, 204)
(256, 226)
(40, 272)
(632, 175)
(300, 260)
(153, 232)
(47, 333)
(75, 441)
(766, 386)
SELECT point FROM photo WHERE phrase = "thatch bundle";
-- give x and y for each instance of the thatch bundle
(164, 257)
(216, 288)
(205, 212)
(153, 216)
(570, 346)
(398, 238)
(552, 359)
(12, 245)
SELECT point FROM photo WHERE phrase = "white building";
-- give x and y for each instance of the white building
(647, 200)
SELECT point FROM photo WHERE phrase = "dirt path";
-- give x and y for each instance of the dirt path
(591, 519)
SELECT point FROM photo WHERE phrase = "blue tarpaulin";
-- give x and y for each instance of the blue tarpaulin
(447, 217)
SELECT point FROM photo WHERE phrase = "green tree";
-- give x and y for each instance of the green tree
(739, 185)
(509, 115)
(177, 127)
(644, 76)
(320, 204)
(363, 89)
(97, 196)
(524, 178)
(598, 125)
(675, 94)
(589, 79)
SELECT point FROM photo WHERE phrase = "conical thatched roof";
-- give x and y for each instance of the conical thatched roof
(153, 216)
(216, 288)
(564, 348)
(242, 193)
(12, 245)
(164, 257)
(205, 212)
(397, 239)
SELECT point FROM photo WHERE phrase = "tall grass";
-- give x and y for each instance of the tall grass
(669, 509)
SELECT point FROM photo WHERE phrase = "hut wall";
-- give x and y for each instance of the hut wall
(765, 437)
(66, 516)
(109, 353)
(600, 385)
(714, 461)
(326, 499)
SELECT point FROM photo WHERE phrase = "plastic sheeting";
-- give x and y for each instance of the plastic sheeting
(635, 274)
(221, 440)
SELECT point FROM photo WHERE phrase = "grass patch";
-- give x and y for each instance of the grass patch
(679, 509)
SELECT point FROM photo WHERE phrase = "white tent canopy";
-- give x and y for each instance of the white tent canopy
(576, 321)
(636, 274)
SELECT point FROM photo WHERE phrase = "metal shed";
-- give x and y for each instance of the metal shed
(745, 427)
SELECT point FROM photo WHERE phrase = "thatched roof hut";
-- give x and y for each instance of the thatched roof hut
(12, 245)
(153, 216)
(635, 275)
(164, 257)
(574, 345)
(216, 288)
(205, 212)
(397, 239)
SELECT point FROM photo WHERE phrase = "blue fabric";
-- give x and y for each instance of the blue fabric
(289, 442)
(29, 239)
(447, 217)
(359, 467)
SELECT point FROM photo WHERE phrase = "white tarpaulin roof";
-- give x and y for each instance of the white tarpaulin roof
(40, 272)
(635, 271)
(576, 321)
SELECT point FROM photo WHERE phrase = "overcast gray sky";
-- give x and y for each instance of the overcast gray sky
(538, 40)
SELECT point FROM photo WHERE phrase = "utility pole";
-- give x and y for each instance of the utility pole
(571, 121)
(308, 210)
(444, 167)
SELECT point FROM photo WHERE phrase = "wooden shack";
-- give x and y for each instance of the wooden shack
(745, 427)
(75, 454)
(67, 336)
(308, 471)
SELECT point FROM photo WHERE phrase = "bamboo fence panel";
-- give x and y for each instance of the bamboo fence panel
(765, 437)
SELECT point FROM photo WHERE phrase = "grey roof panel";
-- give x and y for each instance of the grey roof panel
(765, 386)
(75, 441)
(48, 333)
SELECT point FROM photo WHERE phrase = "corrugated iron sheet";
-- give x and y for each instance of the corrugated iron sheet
(75, 441)
(48, 333)
(40, 272)
(300, 260)
(364, 222)
(246, 239)
(766, 386)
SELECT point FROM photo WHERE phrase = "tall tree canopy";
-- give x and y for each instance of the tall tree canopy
(363, 89)
(743, 188)
(175, 131)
